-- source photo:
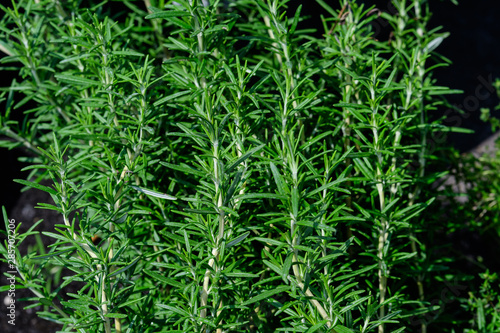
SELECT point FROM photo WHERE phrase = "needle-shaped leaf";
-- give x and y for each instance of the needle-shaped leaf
(153, 193)
(170, 97)
(237, 240)
(280, 183)
(318, 326)
(342, 329)
(37, 186)
(266, 294)
(75, 80)
(165, 14)
(244, 157)
(123, 269)
(184, 168)
(174, 309)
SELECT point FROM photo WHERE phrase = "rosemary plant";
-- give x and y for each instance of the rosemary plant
(242, 174)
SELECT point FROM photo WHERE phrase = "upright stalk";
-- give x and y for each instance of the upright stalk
(384, 224)
(217, 164)
(288, 134)
(101, 277)
(420, 73)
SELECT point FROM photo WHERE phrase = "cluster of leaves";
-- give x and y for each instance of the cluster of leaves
(243, 175)
(474, 193)
(486, 305)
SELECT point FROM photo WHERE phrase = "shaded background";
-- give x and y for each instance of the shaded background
(473, 47)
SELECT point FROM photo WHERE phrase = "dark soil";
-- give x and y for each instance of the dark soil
(23, 213)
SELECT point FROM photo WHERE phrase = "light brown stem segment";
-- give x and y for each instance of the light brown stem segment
(318, 307)
(382, 240)
(206, 284)
(4, 50)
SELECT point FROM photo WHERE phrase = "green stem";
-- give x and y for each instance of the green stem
(100, 278)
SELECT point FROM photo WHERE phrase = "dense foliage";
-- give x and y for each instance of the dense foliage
(243, 175)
